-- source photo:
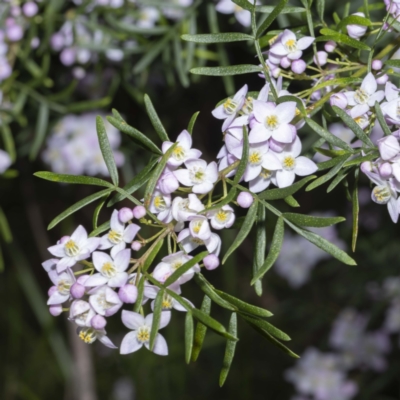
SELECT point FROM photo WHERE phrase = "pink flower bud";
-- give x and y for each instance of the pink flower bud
(376, 65)
(339, 100)
(35, 42)
(57, 41)
(30, 9)
(128, 293)
(98, 322)
(321, 58)
(67, 57)
(385, 170)
(125, 214)
(245, 199)
(136, 246)
(168, 183)
(356, 31)
(14, 33)
(77, 290)
(366, 167)
(382, 79)
(285, 62)
(63, 240)
(298, 66)
(211, 261)
(330, 46)
(52, 290)
(388, 147)
(56, 310)
(139, 212)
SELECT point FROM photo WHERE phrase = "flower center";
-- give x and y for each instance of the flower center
(360, 120)
(108, 270)
(247, 108)
(265, 173)
(291, 45)
(197, 241)
(398, 109)
(361, 96)
(71, 248)
(143, 334)
(381, 194)
(273, 40)
(197, 226)
(179, 153)
(88, 335)
(103, 303)
(184, 205)
(176, 265)
(255, 158)
(238, 9)
(197, 175)
(289, 162)
(159, 203)
(167, 302)
(230, 106)
(82, 317)
(271, 122)
(63, 286)
(114, 237)
(221, 216)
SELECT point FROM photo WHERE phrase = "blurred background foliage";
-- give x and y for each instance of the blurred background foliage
(41, 357)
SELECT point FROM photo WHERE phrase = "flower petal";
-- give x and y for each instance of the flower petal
(130, 343)
(160, 346)
(285, 178)
(259, 133)
(121, 260)
(183, 177)
(305, 42)
(96, 280)
(286, 111)
(132, 320)
(130, 232)
(305, 166)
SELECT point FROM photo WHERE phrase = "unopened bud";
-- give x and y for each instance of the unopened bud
(382, 79)
(136, 246)
(245, 199)
(285, 62)
(388, 147)
(385, 170)
(77, 290)
(211, 261)
(55, 310)
(52, 290)
(30, 9)
(356, 31)
(128, 293)
(321, 58)
(376, 65)
(338, 100)
(139, 212)
(14, 33)
(330, 46)
(298, 66)
(98, 322)
(125, 214)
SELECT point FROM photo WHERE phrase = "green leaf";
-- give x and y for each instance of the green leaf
(245, 307)
(40, 131)
(135, 183)
(259, 246)
(192, 122)
(153, 254)
(180, 68)
(5, 228)
(360, 160)
(325, 178)
(277, 194)
(310, 220)
(106, 150)
(271, 17)
(329, 34)
(286, 10)
(339, 178)
(244, 230)
(329, 137)
(77, 206)
(291, 201)
(321, 9)
(8, 140)
(139, 300)
(353, 126)
(155, 120)
(137, 136)
(77, 179)
(274, 251)
(188, 336)
(392, 63)
(184, 268)
(381, 119)
(324, 244)
(97, 210)
(335, 82)
(217, 37)
(152, 183)
(229, 350)
(244, 160)
(201, 330)
(245, 4)
(100, 229)
(226, 71)
(226, 200)
(266, 326)
(156, 318)
(355, 212)
(353, 20)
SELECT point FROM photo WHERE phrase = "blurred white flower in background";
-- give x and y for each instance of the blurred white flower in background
(73, 148)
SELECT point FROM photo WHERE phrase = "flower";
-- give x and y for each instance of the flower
(222, 218)
(118, 236)
(170, 264)
(167, 183)
(161, 204)
(190, 243)
(183, 151)
(293, 165)
(104, 301)
(63, 282)
(199, 175)
(183, 209)
(230, 107)
(168, 302)
(140, 335)
(273, 121)
(229, 7)
(81, 312)
(199, 227)
(89, 335)
(356, 31)
(389, 147)
(5, 161)
(77, 247)
(111, 271)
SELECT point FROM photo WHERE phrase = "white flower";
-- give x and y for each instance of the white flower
(183, 151)
(63, 282)
(293, 165)
(229, 7)
(392, 320)
(222, 218)
(89, 335)
(288, 46)
(5, 161)
(199, 227)
(118, 236)
(168, 302)
(182, 208)
(81, 312)
(160, 205)
(140, 335)
(105, 301)
(273, 121)
(148, 16)
(170, 264)
(199, 175)
(78, 247)
(190, 243)
(366, 96)
(111, 271)
(230, 108)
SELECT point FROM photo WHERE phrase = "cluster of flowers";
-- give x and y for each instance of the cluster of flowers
(393, 6)
(324, 375)
(73, 147)
(13, 30)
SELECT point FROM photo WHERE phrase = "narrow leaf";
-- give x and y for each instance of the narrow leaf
(266, 326)
(312, 221)
(229, 350)
(139, 300)
(381, 119)
(329, 34)
(156, 318)
(353, 20)
(98, 209)
(40, 131)
(356, 210)
(5, 228)
(271, 17)
(155, 120)
(77, 179)
(259, 246)
(244, 160)
(226, 71)
(291, 201)
(188, 336)
(226, 200)
(201, 330)
(217, 37)
(153, 254)
(192, 122)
